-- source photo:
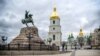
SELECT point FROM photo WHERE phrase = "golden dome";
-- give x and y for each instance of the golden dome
(81, 33)
(54, 14)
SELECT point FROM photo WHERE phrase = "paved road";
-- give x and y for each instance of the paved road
(74, 53)
(78, 53)
(64, 54)
(87, 53)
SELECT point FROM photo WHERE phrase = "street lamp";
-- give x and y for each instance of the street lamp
(75, 45)
(29, 39)
(4, 39)
(49, 40)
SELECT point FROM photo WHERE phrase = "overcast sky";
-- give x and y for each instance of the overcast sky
(73, 14)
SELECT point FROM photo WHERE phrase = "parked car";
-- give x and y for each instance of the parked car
(87, 47)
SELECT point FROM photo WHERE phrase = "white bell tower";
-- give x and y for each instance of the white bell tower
(55, 29)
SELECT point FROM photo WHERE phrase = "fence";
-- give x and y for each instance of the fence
(27, 47)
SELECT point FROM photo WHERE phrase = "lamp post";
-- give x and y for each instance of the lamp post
(29, 39)
(4, 39)
(49, 40)
(75, 45)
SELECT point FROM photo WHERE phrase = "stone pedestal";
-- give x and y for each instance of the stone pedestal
(22, 41)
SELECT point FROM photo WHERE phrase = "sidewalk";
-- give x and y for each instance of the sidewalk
(64, 54)
(34, 53)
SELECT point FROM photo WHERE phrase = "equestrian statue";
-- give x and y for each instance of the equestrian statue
(28, 18)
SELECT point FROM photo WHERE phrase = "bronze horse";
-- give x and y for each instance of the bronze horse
(28, 18)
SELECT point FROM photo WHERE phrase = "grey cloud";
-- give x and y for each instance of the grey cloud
(2, 6)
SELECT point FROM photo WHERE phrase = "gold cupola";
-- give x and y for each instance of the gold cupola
(81, 34)
(54, 14)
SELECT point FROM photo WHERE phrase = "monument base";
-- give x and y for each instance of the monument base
(22, 41)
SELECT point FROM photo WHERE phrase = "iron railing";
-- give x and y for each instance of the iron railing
(26, 47)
